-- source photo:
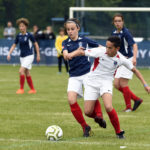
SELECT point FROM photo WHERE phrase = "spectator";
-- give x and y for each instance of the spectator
(9, 31)
(37, 33)
(58, 44)
(49, 35)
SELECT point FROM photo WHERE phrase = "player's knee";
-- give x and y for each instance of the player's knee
(88, 112)
(71, 101)
(116, 85)
(109, 108)
(21, 72)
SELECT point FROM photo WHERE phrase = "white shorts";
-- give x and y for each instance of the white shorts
(123, 72)
(94, 90)
(26, 62)
(75, 84)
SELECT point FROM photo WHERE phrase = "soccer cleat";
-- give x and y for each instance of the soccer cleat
(100, 121)
(120, 135)
(127, 110)
(137, 104)
(32, 92)
(87, 131)
(20, 91)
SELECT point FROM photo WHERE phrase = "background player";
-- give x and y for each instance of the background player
(99, 81)
(123, 75)
(25, 40)
(58, 45)
(79, 67)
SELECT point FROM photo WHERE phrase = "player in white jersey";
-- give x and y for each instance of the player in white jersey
(99, 81)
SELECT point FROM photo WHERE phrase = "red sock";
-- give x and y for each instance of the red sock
(22, 80)
(30, 83)
(127, 96)
(114, 120)
(97, 110)
(133, 96)
(77, 112)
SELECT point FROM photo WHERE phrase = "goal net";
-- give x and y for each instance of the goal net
(97, 21)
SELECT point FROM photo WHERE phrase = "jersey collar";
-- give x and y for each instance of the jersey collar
(79, 38)
(24, 34)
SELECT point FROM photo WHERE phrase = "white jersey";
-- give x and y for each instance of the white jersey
(104, 66)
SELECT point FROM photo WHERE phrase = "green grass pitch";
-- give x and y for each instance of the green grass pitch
(24, 118)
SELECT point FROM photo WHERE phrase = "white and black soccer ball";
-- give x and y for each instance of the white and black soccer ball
(54, 133)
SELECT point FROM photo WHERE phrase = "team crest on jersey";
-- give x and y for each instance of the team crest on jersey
(80, 44)
(25, 38)
(115, 63)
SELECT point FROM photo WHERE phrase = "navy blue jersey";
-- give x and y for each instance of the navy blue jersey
(25, 42)
(78, 65)
(126, 42)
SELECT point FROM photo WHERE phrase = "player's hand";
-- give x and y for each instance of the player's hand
(81, 51)
(8, 57)
(134, 61)
(38, 58)
(69, 56)
(147, 88)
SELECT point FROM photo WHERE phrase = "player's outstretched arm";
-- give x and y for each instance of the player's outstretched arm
(37, 51)
(135, 50)
(141, 78)
(11, 50)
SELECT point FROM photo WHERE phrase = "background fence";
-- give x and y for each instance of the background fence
(49, 54)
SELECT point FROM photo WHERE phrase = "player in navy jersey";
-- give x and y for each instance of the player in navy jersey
(79, 68)
(25, 41)
(123, 75)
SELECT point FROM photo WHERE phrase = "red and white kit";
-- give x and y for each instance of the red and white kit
(99, 80)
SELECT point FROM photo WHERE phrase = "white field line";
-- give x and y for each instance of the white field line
(41, 114)
(6, 80)
(68, 114)
(75, 142)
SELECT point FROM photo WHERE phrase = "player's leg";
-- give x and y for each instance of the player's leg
(66, 65)
(107, 98)
(92, 107)
(122, 77)
(123, 87)
(89, 108)
(59, 64)
(27, 64)
(76, 110)
(30, 82)
(128, 95)
(97, 112)
(74, 90)
(22, 80)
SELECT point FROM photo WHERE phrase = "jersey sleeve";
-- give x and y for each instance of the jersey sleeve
(32, 38)
(129, 38)
(95, 52)
(64, 46)
(127, 63)
(16, 39)
(92, 43)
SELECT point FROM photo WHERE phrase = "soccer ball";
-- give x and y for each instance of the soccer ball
(54, 133)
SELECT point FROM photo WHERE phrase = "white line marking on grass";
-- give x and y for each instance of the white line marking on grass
(38, 113)
(74, 141)
(6, 80)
